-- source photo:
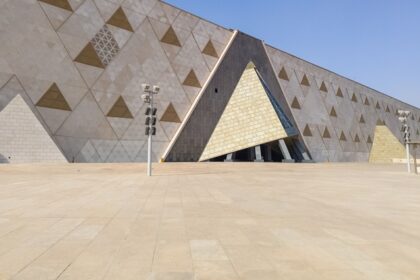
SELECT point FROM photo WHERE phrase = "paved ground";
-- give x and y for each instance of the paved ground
(209, 221)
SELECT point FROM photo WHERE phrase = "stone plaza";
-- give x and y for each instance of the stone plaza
(209, 221)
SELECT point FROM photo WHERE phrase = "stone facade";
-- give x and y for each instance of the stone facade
(79, 66)
(346, 109)
(23, 139)
(93, 55)
(248, 120)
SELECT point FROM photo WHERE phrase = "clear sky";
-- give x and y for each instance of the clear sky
(375, 42)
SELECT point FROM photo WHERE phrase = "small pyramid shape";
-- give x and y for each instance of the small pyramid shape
(339, 93)
(356, 139)
(323, 87)
(369, 140)
(53, 99)
(29, 141)
(210, 50)
(243, 125)
(326, 133)
(192, 80)
(362, 119)
(89, 56)
(354, 98)
(386, 147)
(295, 104)
(170, 115)
(63, 4)
(119, 19)
(367, 101)
(283, 74)
(171, 38)
(343, 137)
(307, 131)
(120, 110)
(333, 113)
(378, 106)
(388, 111)
(305, 81)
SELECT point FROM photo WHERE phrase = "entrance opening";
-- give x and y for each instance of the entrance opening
(270, 152)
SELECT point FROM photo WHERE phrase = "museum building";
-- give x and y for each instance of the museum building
(70, 91)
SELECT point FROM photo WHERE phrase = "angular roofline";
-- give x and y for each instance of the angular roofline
(209, 21)
(292, 55)
(341, 76)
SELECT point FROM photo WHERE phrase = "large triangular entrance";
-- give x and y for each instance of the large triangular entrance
(251, 117)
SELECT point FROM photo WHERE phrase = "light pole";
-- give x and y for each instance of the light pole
(405, 129)
(150, 123)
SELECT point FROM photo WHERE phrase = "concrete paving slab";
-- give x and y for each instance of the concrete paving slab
(209, 221)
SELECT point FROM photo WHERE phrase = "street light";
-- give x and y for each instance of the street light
(150, 123)
(405, 129)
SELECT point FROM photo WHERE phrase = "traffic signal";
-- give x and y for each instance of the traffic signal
(150, 130)
(406, 132)
(150, 120)
(149, 111)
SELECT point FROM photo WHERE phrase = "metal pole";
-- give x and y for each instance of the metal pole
(149, 143)
(407, 147)
(415, 159)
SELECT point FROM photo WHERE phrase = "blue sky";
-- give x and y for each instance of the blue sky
(375, 42)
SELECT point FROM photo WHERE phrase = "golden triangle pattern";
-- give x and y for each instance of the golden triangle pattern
(192, 80)
(210, 50)
(119, 19)
(63, 4)
(120, 110)
(283, 74)
(339, 93)
(323, 87)
(53, 99)
(170, 115)
(326, 133)
(305, 81)
(343, 136)
(89, 56)
(307, 131)
(333, 113)
(295, 104)
(171, 38)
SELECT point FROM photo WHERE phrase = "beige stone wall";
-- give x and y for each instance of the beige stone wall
(249, 119)
(386, 147)
(80, 65)
(23, 138)
(321, 100)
